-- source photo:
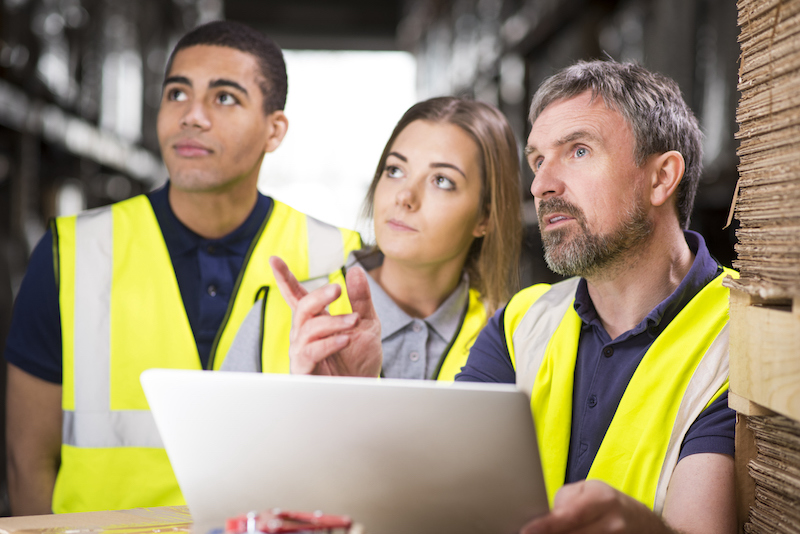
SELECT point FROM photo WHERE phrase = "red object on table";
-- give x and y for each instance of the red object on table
(277, 521)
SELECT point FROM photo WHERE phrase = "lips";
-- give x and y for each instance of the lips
(557, 218)
(557, 211)
(191, 149)
(399, 226)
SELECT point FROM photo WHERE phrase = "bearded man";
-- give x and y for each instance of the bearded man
(626, 363)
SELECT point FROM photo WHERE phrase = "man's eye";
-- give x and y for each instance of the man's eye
(580, 152)
(227, 99)
(538, 163)
(176, 95)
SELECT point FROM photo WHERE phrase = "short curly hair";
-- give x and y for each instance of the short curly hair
(244, 38)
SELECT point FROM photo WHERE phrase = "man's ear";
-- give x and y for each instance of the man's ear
(667, 172)
(277, 124)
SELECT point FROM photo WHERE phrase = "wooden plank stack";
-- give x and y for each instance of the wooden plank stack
(768, 203)
(776, 471)
(765, 300)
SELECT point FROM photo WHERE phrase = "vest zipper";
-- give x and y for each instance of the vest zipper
(213, 354)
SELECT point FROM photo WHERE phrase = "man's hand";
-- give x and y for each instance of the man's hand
(592, 506)
(700, 500)
(322, 344)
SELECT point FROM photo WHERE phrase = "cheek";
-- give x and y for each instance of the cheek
(383, 198)
(453, 221)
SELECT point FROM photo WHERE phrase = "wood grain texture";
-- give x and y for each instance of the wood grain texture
(765, 353)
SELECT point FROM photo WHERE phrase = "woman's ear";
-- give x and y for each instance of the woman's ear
(667, 172)
(277, 125)
(482, 227)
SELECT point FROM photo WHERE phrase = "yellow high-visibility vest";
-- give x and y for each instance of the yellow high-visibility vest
(456, 354)
(122, 313)
(682, 373)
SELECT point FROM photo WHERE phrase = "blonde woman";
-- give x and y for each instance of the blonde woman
(446, 209)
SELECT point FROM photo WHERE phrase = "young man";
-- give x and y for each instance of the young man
(162, 280)
(626, 363)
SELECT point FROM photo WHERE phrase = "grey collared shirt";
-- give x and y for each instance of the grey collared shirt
(412, 348)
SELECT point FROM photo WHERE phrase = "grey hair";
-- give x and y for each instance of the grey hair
(651, 104)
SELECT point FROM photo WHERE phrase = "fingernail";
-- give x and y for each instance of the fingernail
(352, 319)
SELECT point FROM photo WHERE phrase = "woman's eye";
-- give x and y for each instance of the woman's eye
(176, 95)
(393, 172)
(444, 183)
(580, 152)
(227, 99)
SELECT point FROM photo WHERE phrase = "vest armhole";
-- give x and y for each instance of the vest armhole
(449, 347)
(263, 292)
(56, 260)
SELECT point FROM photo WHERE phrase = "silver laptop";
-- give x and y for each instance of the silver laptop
(397, 456)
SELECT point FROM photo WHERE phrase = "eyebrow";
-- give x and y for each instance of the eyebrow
(433, 165)
(569, 138)
(215, 83)
(177, 79)
(576, 136)
(227, 83)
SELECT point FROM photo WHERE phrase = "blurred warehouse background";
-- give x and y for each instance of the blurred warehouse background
(80, 83)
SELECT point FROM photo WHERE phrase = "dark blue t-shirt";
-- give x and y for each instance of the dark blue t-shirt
(604, 367)
(206, 270)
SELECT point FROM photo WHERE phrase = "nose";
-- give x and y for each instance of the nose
(408, 197)
(196, 116)
(547, 182)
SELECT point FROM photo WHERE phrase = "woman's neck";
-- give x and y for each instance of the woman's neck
(418, 291)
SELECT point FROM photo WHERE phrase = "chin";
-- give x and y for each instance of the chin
(197, 181)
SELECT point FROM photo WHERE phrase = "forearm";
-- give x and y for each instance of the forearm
(33, 436)
(30, 485)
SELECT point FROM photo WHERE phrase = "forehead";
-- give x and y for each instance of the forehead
(207, 62)
(436, 140)
(580, 113)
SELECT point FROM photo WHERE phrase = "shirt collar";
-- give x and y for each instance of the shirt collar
(445, 321)
(704, 269)
(182, 240)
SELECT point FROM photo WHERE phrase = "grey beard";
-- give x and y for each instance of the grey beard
(587, 254)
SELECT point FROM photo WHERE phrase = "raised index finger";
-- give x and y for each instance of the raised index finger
(288, 285)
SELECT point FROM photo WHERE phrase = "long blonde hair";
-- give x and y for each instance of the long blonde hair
(493, 260)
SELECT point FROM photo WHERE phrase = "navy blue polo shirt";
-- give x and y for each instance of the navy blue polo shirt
(604, 367)
(206, 270)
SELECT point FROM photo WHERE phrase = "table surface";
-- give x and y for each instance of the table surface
(167, 519)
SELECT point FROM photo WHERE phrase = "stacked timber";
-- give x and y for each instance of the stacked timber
(765, 300)
(768, 202)
(776, 471)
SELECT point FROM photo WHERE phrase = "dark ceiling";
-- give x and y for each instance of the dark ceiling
(322, 24)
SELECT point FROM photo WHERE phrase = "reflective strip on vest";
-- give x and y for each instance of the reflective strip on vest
(325, 248)
(540, 323)
(712, 369)
(93, 423)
